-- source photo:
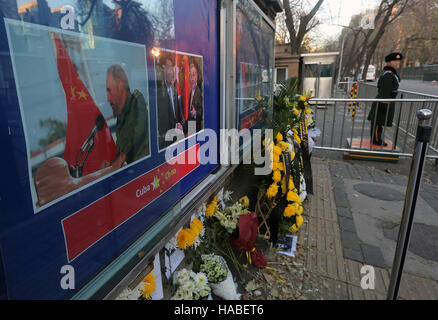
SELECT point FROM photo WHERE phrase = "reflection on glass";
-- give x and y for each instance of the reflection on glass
(143, 21)
(254, 63)
(318, 70)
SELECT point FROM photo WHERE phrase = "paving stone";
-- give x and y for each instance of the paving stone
(352, 270)
(331, 289)
(341, 198)
(417, 288)
(376, 191)
(373, 255)
(357, 293)
(347, 224)
(350, 240)
(344, 212)
(352, 254)
(423, 241)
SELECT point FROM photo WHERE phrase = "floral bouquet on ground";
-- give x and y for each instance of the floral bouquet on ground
(219, 277)
(190, 285)
(226, 216)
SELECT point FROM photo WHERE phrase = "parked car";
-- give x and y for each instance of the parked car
(371, 73)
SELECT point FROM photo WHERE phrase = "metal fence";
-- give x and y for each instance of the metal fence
(344, 125)
(423, 73)
(405, 117)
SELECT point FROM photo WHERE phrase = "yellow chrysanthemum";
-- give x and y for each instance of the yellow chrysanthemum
(284, 146)
(280, 166)
(291, 184)
(196, 226)
(299, 221)
(210, 210)
(297, 139)
(272, 190)
(298, 208)
(303, 98)
(276, 158)
(149, 286)
(308, 111)
(244, 201)
(279, 137)
(293, 229)
(276, 150)
(292, 196)
(185, 238)
(297, 112)
(276, 176)
(289, 211)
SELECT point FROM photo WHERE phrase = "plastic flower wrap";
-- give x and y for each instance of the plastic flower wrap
(214, 267)
(190, 285)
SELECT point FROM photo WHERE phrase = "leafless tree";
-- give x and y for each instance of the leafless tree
(299, 23)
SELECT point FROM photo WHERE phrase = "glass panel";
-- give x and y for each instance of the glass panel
(281, 75)
(254, 63)
(81, 108)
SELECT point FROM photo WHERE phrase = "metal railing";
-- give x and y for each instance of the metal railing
(406, 112)
(349, 130)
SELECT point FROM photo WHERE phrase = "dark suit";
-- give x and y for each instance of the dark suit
(195, 102)
(169, 114)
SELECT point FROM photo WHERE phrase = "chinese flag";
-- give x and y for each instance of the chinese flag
(82, 112)
(178, 84)
(186, 86)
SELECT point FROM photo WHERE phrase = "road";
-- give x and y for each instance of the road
(417, 86)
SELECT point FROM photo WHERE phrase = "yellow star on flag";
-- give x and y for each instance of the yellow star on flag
(83, 94)
(155, 183)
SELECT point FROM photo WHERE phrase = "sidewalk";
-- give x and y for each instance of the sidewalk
(345, 218)
(346, 226)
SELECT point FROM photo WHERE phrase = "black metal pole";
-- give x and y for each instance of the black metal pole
(415, 175)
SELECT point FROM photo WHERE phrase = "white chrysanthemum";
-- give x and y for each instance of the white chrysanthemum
(227, 195)
(201, 278)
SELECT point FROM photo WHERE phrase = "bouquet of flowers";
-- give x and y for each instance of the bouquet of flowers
(219, 277)
(214, 267)
(229, 217)
(190, 285)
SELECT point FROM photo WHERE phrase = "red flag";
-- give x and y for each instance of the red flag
(82, 112)
(244, 82)
(186, 86)
(178, 85)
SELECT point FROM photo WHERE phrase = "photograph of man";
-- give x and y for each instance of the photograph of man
(195, 100)
(132, 129)
(168, 104)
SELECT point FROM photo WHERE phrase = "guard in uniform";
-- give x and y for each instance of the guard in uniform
(387, 86)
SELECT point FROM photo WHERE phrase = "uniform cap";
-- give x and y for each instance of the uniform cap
(394, 56)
